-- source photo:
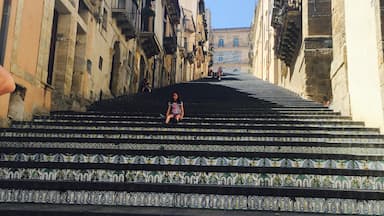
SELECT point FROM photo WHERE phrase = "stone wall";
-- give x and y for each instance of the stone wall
(303, 42)
(264, 61)
(295, 76)
(319, 17)
(363, 62)
(339, 76)
(24, 60)
(318, 58)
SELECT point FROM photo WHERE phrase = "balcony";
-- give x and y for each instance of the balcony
(191, 57)
(147, 36)
(170, 44)
(286, 16)
(182, 52)
(188, 22)
(126, 14)
(173, 8)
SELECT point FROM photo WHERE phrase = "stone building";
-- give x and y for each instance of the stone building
(357, 67)
(66, 54)
(323, 50)
(195, 40)
(262, 59)
(292, 45)
(231, 47)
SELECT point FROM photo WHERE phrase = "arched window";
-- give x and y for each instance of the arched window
(221, 42)
(236, 42)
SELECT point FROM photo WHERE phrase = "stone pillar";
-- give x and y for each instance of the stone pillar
(64, 59)
(318, 58)
(379, 5)
(45, 37)
(339, 76)
(364, 82)
(317, 39)
(79, 67)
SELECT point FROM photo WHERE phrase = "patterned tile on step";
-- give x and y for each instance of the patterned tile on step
(200, 201)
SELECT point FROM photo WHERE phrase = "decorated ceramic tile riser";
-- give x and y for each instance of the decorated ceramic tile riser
(195, 160)
(206, 178)
(196, 201)
(199, 130)
(191, 137)
(269, 148)
(292, 115)
(111, 122)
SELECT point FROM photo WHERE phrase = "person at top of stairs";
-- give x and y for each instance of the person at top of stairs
(175, 108)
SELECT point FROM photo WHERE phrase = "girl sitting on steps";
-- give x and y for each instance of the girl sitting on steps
(175, 109)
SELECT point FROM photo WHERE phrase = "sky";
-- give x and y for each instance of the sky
(231, 13)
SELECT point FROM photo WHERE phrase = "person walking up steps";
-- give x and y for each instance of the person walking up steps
(175, 109)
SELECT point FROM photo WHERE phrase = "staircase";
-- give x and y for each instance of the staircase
(245, 148)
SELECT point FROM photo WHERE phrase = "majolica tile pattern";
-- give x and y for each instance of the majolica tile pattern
(243, 139)
(192, 137)
(186, 146)
(200, 130)
(199, 201)
(196, 160)
(206, 178)
(223, 123)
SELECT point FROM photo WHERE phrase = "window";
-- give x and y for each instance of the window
(130, 62)
(221, 42)
(236, 42)
(82, 6)
(121, 4)
(105, 20)
(220, 59)
(185, 43)
(101, 63)
(89, 66)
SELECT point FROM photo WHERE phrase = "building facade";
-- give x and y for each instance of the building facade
(262, 59)
(327, 51)
(231, 47)
(195, 42)
(67, 54)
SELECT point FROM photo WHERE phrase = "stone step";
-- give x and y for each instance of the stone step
(191, 135)
(240, 111)
(259, 107)
(30, 209)
(298, 122)
(105, 193)
(203, 117)
(211, 158)
(208, 122)
(250, 130)
(189, 125)
(274, 200)
(266, 147)
(347, 180)
(272, 160)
